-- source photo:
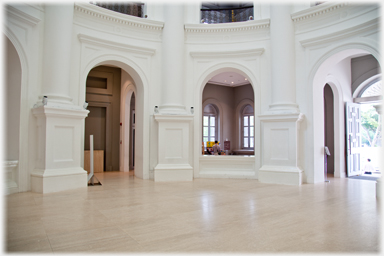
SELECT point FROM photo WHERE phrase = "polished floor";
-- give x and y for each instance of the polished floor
(131, 215)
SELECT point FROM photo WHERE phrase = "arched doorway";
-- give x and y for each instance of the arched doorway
(12, 106)
(329, 128)
(131, 83)
(225, 96)
(211, 90)
(333, 69)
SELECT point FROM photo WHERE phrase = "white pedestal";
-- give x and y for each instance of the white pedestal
(59, 151)
(280, 144)
(10, 168)
(174, 148)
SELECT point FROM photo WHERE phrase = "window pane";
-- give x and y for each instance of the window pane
(205, 120)
(212, 134)
(251, 131)
(245, 142)
(212, 121)
(251, 120)
(251, 142)
(212, 139)
(205, 139)
(205, 131)
(246, 132)
(246, 121)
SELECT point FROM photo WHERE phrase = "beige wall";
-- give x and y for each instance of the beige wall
(12, 102)
(329, 127)
(104, 122)
(229, 98)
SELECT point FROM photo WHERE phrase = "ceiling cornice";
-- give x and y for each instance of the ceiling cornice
(227, 27)
(123, 19)
(316, 11)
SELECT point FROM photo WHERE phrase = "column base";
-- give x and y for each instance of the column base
(11, 173)
(173, 172)
(286, 175)
(55, 180)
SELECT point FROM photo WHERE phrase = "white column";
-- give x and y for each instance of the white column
(283, 60)
(57, 52)
(60, 124)
(173, 60)
(280, 127)
(174, 123)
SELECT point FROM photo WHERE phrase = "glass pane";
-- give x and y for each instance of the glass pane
(246, 132)
(212, 139)
(205, 131)
(251, 120)
(251, 142)
(205, 120)
(212, 134)
(245, 142)
(212, 121)
(251, 131)
(246, 121)
(205, 139)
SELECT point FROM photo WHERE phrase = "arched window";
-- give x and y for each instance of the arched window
(248, 127)
(210, 123)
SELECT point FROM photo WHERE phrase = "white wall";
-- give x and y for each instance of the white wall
(135, 45)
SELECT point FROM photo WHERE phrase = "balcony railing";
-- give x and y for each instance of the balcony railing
(221, 15)
(129, 8)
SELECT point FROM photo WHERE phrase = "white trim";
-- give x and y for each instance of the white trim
(115, 45)
(227, 54)
(227, 27)
(122, 19)
(316, 11)
(372, 25)
(238, 127)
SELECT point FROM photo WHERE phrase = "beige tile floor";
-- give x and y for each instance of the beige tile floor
(131, 215)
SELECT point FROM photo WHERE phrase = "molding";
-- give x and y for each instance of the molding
(282, 117)
(116, 17)
(117, 46)
(228, 54)
(317, 11)
(173, 118)
(10, 164)
(60, 112)
(339, 35)
(371, 99)
(22, 16)
(227, 27)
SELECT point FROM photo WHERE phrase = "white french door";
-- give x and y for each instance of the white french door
(353, 138)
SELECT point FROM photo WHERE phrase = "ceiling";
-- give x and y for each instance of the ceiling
(231, 79)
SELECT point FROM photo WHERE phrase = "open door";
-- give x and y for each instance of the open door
(353, 138)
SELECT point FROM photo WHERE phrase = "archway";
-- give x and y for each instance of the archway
(226, 93)
(333, 68)
(132, 82)
(329, 129)
(223, 166)
(12, 106)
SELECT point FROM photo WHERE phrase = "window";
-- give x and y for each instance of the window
(129, 8)
(248, 127)
(210, 124)
(223, 12)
